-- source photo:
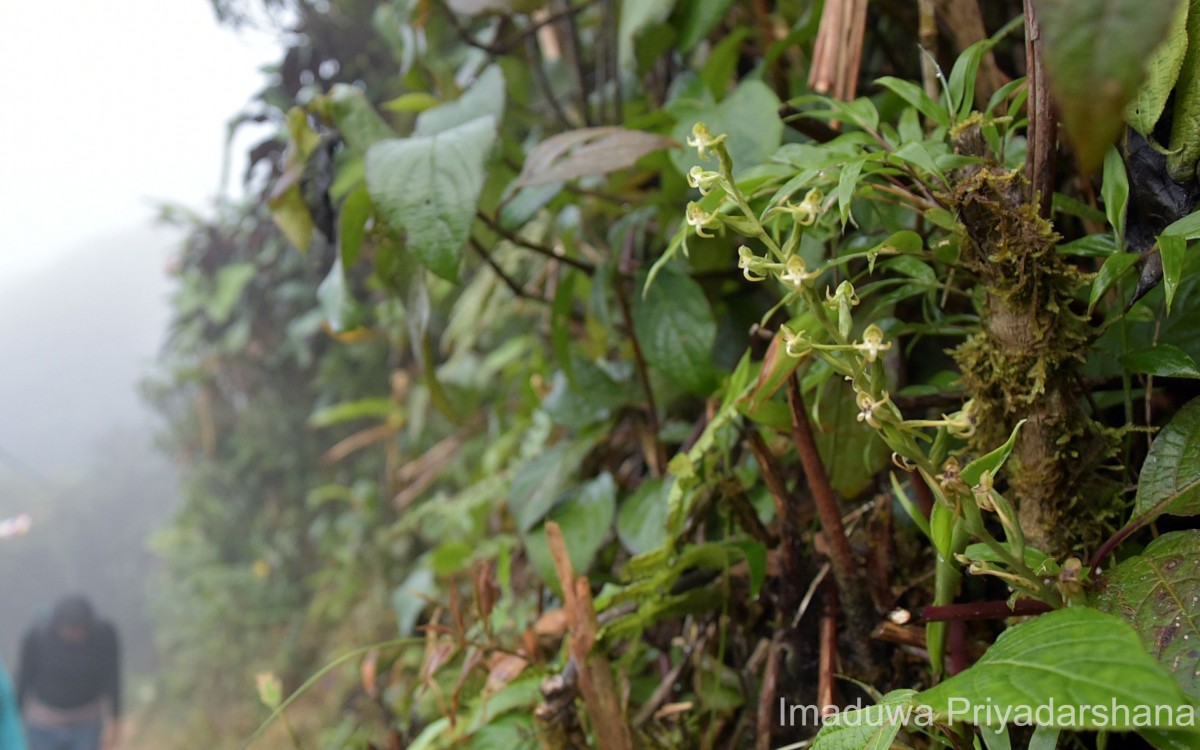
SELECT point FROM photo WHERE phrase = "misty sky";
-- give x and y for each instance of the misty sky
(109, 109)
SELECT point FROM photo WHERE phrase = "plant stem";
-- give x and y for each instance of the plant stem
(852, 592)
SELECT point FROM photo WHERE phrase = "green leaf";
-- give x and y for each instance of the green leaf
(916, 96)
(1170, 479)
(973, 472)
(961, 86)
(585, 519)
(231, 282)
(870, 728)
(1044, 738)
(1188, 227)
(542, 481)
(430, 187)
(698, 19)
(1096, 52)
(1115, 190)
(485, 98)
(410, 598)
(1185, 123)
(749, 117)
(417, 101)
(1158, 593)
(1172, 250)
(1080, 661)
(641, 522)
(373, 408)
(675, 326)
(1164, 360)
(1115, 266)
(355, 118)
(352, 224)
(337, 304)
(290, 212)
(853, 452)
(996, 739)
(1161, 74)
(635, 16)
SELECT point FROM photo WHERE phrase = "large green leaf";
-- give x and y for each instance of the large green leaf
(1096, 51)
(1164, 360)
(870, 728)
(853, 452)
(585, 519)
(1158, 592)
(642, 521)
(484, 98)
(1087, 666)
(1161, 73)
(1115, 266)
(1170, 480)
(429, 186)
(697, 19)
(749, 117)
(542, 482)
(675, 326)
(635, 16)
(357, 121)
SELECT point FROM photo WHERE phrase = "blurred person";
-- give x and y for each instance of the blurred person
(69, 680)
(11, 737)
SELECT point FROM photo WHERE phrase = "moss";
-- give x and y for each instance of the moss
(1023, 362)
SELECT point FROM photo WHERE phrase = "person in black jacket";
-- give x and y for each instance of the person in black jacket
(69, 680)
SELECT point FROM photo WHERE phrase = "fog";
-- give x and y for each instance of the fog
(76, 441)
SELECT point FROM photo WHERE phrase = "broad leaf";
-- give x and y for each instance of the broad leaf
(587, 151)
(698, 19)
(1171, 249)
(1158, 592)
(749, 117)
(1164, 360)
(584, 519)
(973, 472)
(635, 16)
(1170, 480)
(1115, 190)
(430, 187)
(1076, 660)
(1096, 52)
(542, 482)
(357, 121)
(485, 98)
(1161, 73)
(870, 728)
(642, 521)
(1115, 266)
(675, 327)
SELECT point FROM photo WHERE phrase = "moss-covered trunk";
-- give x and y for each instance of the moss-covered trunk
(1023, 363)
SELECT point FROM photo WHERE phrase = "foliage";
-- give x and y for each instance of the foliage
(605, 289)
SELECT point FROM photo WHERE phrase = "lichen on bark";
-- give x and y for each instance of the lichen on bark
(1023, 362)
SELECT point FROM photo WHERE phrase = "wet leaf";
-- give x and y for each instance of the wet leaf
(676, 329)
(430, 186)
(1096, 51)
(1170, 479)
(870, 728)
(1164, 360)
(1076, 659)
(1158, 593)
